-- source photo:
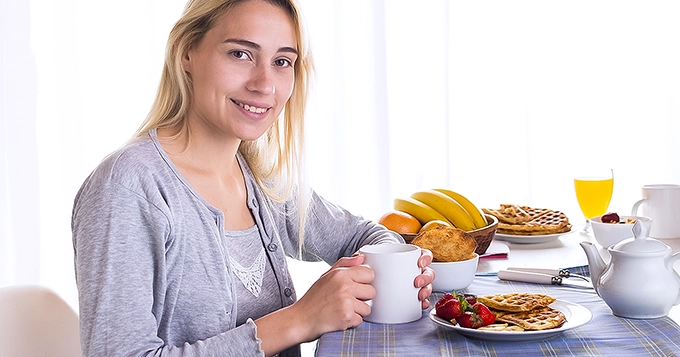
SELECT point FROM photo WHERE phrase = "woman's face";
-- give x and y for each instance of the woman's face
(242, 70)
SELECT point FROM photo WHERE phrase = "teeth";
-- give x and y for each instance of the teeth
(253, 109)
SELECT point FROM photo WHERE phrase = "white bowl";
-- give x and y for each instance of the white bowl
(454, 275)
(608, 234)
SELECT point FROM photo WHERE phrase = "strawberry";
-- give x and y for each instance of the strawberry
(484, 313)
(469, 319)
(471, 299)
(445, 298)
(477, 315)
(448, 307)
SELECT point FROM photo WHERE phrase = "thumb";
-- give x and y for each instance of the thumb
(349, 261)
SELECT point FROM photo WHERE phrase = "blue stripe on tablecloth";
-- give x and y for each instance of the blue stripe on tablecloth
(604, 335)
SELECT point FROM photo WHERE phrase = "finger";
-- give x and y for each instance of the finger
(425, 292)
(362, 308)
(350, 275)
(354, 322)
(425, 258)
(425, 303)
(363, 292)
(425, 278)
(361, 274)
(349, 261)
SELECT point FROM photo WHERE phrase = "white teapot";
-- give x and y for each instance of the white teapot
(639, 281)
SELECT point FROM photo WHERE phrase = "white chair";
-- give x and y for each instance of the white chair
(36, 322)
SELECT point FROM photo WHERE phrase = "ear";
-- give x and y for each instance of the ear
(186, 62)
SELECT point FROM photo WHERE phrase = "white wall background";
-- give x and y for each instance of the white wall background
(499, 100)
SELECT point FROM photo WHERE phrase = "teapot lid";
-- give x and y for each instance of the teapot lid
(639, 243)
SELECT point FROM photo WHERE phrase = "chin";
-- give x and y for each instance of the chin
(252, 136)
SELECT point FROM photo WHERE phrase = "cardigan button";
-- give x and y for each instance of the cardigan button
(288, 292)
(272, 247)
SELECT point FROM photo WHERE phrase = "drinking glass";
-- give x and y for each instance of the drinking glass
(594, 192)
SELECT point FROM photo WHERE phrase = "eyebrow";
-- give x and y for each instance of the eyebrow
(255, 46)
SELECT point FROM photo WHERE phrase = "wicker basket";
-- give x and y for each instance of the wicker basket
(483, 235)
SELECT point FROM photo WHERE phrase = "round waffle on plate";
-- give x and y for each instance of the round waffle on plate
(514, 302)
(529, 221)
(529, 311)
(543, 318)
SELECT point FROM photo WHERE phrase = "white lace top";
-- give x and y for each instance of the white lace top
(257, 291)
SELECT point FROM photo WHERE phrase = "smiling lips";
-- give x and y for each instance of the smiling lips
(251, 108)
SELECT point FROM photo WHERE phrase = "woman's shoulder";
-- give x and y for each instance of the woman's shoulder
(136, 164)
(139, 155)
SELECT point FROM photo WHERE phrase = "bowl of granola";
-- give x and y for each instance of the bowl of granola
(611, 228)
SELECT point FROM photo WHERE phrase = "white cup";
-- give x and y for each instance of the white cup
(661, 203)
(395, 267)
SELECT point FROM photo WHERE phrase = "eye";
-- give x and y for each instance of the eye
(239, 54)
(283, 62)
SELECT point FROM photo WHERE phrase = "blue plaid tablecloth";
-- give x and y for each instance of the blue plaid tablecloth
(604, 335)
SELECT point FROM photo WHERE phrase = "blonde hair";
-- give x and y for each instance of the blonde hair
(276, 158)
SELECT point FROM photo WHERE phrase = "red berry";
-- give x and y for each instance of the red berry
(448, 307)
(469, 320)
(471, 299)
(477, 316)
(444, 299)
(484, 313)
(611, 217)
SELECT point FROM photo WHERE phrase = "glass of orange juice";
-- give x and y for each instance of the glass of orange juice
(594, 192)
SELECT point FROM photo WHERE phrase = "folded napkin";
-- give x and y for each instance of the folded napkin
(496, 250)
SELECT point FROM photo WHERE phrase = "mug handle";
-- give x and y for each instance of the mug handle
(633, 212)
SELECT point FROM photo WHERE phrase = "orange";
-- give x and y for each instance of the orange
(400, 222)
(433, 224)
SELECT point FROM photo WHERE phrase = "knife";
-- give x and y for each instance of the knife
(562, 273)
(539, 278)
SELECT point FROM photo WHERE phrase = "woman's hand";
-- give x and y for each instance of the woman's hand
(336, 301)
(424, 280)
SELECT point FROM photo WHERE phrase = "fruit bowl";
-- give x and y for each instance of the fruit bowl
(454, 275)
(483, 235)
(607, 234)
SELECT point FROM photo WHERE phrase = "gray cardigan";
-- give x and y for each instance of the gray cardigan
(152, 268)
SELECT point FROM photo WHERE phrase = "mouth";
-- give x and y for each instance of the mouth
(251, 108)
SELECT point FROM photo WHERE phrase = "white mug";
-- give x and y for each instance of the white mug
(661, 203)
(395, 267)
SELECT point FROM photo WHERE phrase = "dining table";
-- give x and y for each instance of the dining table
(594, 331)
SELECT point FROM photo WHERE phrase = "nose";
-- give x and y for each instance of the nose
(261, 80)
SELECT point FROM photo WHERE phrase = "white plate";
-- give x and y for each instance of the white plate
(576, 315)
(530, 239)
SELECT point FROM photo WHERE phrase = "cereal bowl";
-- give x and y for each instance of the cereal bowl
(454, 275)
(607, 234)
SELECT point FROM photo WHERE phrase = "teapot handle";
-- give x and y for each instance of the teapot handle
(669, 265)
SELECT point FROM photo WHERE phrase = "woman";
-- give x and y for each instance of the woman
(181, 236)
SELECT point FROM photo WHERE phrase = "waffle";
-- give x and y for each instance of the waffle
(510, 214)
(515, 302)
(501, 327)
(542, 318)
(525, 220)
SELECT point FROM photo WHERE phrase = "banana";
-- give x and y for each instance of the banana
(448, 207)
(421, 211)
(474, 212)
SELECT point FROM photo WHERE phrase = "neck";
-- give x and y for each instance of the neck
(201, 149)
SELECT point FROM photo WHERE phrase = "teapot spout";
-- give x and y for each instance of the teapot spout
(596, 264)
